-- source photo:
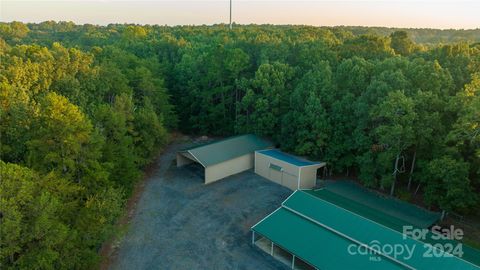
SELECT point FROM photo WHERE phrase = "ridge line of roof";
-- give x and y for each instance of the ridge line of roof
(433, 246)
(358, 242)
(352, 212)
(222, 140)
(344, 197)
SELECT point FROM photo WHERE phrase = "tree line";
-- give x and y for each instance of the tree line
(77, 127)
(83, 108)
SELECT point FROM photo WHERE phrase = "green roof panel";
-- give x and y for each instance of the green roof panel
(369, 232)
(314, 244)
(388, 205)
(361, 209)
(394, 222)
(226, 149)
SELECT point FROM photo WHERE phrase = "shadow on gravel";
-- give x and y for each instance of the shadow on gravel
(180, 223)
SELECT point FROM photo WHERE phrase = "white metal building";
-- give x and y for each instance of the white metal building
(287, 170)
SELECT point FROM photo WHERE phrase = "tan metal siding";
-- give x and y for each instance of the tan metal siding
(291, 175)
(290, 181)
(288, 178)
(308, 177)
(227, 168)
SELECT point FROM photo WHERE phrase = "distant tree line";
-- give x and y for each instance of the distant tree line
(83, 108)
(424, 35)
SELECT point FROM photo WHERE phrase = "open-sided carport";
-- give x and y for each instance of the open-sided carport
(322, 235)
(224, 157)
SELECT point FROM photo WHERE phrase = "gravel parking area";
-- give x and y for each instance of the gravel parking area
(180, 223)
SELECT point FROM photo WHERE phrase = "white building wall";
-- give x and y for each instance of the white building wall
(293, 177)
(227, 168)
(308, 176)
(288, 178)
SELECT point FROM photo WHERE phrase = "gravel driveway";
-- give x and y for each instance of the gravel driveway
(180, 223)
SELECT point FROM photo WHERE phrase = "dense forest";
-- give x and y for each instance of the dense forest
(84, 108)
(424, 36)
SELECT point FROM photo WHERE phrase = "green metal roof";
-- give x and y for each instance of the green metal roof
(317, 246)
(294, 160)
(226, 149)
(314, 246)
(469, 254)
(360, 209)
(390, 206)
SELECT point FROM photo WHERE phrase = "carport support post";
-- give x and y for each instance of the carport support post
(271, 249)
(293, 261)
(253, 237)
(299, 177)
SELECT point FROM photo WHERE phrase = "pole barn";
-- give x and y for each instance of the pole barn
(225, 157)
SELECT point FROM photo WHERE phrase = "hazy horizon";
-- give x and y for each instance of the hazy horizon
(379, 13)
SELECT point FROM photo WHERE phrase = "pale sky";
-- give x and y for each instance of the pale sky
(391, 13)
